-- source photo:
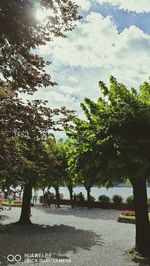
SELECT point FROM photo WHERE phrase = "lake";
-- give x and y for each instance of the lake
(96, 192)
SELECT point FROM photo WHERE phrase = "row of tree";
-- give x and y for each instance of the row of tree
(58, 173)
(111, 144)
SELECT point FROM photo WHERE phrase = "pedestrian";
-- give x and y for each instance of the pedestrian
(49, 199)
(1, 200)
(45, 200)
(19, 195)
(10, 198)
(14, 196)
(81, 197)
(74, 201)
(75, 197)
(34, 199)
(5, 194)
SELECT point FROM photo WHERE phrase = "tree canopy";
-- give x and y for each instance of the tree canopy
(22, 32)
(22, 70)
(115, 136)
(25, 125)
(114, 141)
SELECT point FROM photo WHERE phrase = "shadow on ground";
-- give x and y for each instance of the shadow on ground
(84, 212)
(137, 258)
(57, 239)
(142, 262)
(3, 217)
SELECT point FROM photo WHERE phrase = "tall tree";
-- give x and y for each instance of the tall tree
(80, 157)
(116, 136)
(23, 70)
(55, 172)
(23, 154)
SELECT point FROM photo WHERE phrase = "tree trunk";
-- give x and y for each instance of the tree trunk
(141, 215)
(26, 205)
(70, 188)
(88, 189)
(43, 189)
(57, 196)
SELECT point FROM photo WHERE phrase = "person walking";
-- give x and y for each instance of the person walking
(1, 200)
(45, 204)
(10, 198)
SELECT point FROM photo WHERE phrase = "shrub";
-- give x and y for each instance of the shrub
(80, 197)
(104, 199)
(130, 201)
(117, 199)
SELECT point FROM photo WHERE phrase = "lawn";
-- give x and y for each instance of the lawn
(128, 217)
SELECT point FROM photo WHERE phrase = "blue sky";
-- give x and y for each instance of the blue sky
(112, 38)
(124, 19)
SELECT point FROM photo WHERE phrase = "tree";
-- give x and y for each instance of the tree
(35, 162)
(116, 135)
(80, 157)
(22, 32)
(69, 177)
(22, 70)
(23, 154)
(80, 172)
(55, 172)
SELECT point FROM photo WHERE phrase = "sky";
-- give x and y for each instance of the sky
(112, 38)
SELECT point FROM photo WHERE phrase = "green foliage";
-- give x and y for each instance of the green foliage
(104, 199)
(117, 199)
(56, 173)
(130, 201)
(22, 33)
(113, 144)
(25, 126)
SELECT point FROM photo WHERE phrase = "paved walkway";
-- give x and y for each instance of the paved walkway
(78, 237)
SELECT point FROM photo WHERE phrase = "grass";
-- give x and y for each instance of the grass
(128, 218)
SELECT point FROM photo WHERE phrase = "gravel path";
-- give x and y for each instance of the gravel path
(80, 237)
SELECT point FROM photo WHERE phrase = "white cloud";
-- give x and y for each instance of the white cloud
(98, 44)
(83, 47)
(94, 51)
(83, 4)
(138, 6)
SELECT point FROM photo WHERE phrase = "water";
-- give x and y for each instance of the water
(96, 192)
